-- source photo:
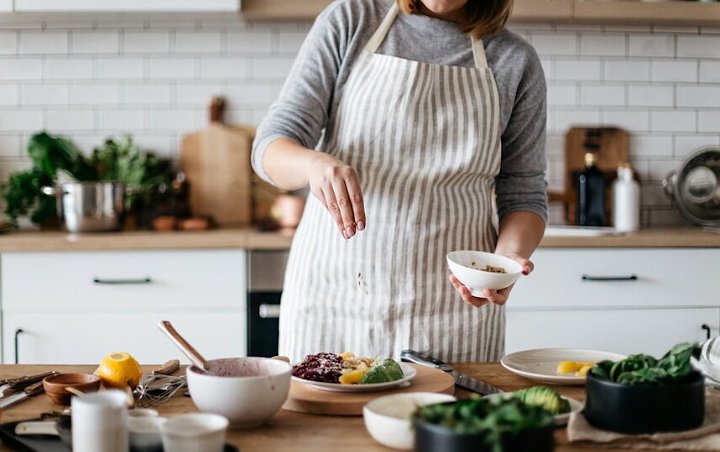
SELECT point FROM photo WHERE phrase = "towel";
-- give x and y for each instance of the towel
(705, 437)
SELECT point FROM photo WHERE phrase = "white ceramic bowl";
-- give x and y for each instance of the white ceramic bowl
(467, 265)
(145, 433)
(388, 418)
(248, 392)
(194, 432)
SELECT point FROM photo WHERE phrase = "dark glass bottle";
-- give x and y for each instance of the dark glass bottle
(590, 185)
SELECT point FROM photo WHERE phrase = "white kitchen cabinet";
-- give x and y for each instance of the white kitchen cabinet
(6, 6)
(621, 300)
(169, 6)
(74, 306)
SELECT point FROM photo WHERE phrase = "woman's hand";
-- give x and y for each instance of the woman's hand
(499, 297)
(337, 187)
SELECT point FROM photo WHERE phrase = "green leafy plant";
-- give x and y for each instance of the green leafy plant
(494, 418)
(639, 369)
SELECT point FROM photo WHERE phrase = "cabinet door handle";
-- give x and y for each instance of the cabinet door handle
(706, 327)
(269, 311)
(127, 282)
(18, 332)
(609, 278)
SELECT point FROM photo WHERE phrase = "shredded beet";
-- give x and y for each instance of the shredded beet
(322, 367)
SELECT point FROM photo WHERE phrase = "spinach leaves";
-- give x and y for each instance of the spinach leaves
(639, 369)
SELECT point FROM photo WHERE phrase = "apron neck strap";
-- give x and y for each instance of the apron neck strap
(379, 36)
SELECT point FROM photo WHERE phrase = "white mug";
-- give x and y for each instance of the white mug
(194, 432)
(99, 422)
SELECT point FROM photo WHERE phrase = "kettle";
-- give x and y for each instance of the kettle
(695, 187)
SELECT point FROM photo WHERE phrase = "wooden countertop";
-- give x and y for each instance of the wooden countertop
(290, 431)
(252, 239)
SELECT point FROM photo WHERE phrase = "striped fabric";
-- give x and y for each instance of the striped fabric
(425, 142)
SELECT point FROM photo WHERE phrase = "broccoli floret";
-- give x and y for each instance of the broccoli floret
(544, 397)
(382, 371)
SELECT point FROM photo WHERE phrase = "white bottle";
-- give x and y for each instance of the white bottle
(626, 200)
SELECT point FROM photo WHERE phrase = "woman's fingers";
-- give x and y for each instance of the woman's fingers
(498, 297)
(331, 204)
(465, 293)
(339, 186)
(356, 199)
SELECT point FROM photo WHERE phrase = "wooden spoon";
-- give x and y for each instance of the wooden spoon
(184, 346)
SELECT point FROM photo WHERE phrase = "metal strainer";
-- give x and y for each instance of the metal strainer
(695, 187)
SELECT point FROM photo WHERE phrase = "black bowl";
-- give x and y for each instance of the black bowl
(645, 408)
(434, 438)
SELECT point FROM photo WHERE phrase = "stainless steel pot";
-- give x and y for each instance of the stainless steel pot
(695, 187)
(90, 206)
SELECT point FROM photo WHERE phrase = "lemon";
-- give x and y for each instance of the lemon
(565, 367)
(118, 370)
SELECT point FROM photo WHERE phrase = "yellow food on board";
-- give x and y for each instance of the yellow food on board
(579, 368)
(118, 370)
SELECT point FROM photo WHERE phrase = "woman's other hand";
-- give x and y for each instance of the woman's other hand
(337, 186)
(499, 297)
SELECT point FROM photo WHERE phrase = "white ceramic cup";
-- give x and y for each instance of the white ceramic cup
(99, 422)
(194, 432)
(142, 412)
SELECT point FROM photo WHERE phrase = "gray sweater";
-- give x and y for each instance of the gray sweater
(316, 83)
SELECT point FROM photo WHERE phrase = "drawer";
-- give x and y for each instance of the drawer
(661, 278)
(68, 338)
(123, 280)
(652, 331)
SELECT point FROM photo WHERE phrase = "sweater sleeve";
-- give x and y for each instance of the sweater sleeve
(521, 184)
(302, 109)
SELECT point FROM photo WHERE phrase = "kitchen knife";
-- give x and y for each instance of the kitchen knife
(461, 379)
(17, 384)
(30, 391)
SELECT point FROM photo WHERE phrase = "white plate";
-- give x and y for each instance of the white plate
(408, 374)
(560, 419)
(540, 364)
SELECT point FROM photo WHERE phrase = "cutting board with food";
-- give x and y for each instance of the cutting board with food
(342, 384)
(216, 161)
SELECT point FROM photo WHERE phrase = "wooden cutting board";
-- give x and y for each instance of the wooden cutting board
(216, 161)
(306, 399)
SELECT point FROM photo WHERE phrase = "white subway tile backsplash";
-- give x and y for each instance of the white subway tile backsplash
(555, 145)
(565, 119)
(224, 68)
(40, 94)
(655, 145)
(633, 120)
(669, 216)
(708, 121)
(577, 69)
(606, 44)
(120, 68)
(95, 94)
(627, 70)
(69, 120)
(698, 96)
(658, 169)
(198, 42)
(562, 94)
(95, 42)
(43, 42)
(602, 95)
(15, 120)
(121, 121)
(275, 68)
(179, 120)
(653, 194)
(8, 42)
(253, 94)
(651, 96)
(10, 146)
(257, 42)
(685, 144)
(290, 41)
(9, 94)
(146, 42)
(197, 95)
(164, 144)
(172, 68)
(68, 68)
(652, 45)
(146, 94)
(557, 43)
(698, 46)
(20, 68)
(674, 71)
(673, 121)
(710, 71)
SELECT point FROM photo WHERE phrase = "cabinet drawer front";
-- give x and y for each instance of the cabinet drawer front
(69, 339)
(620, 277)
(122, 280)
(651, 331)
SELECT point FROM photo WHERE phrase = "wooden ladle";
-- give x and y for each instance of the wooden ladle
(184, 346)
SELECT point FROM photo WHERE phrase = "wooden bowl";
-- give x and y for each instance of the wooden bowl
(55, 386)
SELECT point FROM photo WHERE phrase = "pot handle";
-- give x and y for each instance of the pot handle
(669, 184)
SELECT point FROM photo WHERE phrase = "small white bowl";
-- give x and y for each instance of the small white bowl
(467, 267)
(248, 392)
(194, 432)
(388, 418)
(145, 433)
(142, 412)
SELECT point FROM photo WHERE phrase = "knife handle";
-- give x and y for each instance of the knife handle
(20, 383)
(424, 360)
(35, 388)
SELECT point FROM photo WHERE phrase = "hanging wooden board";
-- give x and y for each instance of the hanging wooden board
(306, 399)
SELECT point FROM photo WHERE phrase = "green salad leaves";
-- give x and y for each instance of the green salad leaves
(641, 369)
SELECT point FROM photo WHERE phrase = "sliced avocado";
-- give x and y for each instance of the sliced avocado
(382, 371)
(544, 397)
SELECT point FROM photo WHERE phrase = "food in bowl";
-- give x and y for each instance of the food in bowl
(484, 425)
(247, 391)
(478, 270)
(544, 397)
(346, 368)
(576, 368)
(642, 394)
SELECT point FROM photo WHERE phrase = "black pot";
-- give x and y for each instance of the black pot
(645, 408)
(436, 438)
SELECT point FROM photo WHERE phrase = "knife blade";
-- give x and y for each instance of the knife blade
(463, 380)
(30, 391)
(17, 384)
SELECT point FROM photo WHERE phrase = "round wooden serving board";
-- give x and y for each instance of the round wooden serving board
(305, 399)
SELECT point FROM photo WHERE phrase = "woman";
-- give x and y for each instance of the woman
(425, 111)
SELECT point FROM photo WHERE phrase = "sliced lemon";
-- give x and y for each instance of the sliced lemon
(118, 370)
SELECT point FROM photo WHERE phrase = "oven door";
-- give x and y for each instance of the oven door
(266, 272)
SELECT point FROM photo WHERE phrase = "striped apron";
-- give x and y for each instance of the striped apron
(425, 142)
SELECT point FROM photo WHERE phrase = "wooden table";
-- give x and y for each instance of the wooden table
(289, 431)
